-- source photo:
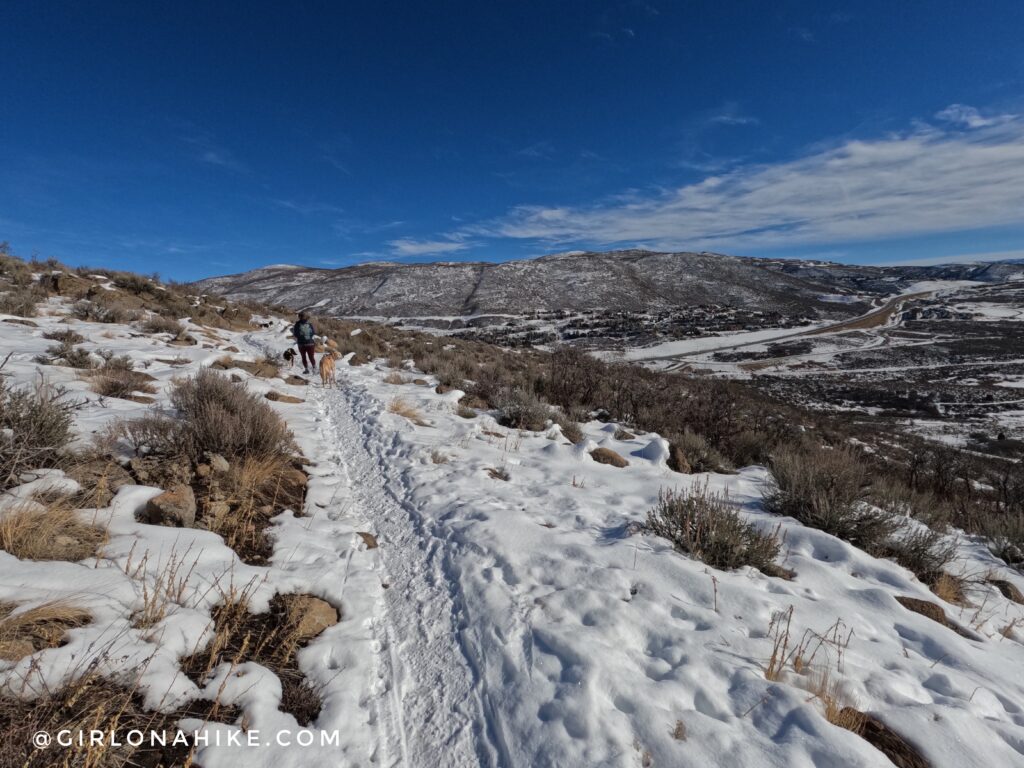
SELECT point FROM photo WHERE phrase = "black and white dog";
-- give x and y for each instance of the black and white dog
(289, 356)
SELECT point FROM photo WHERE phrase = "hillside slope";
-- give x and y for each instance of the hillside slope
(495, 597)
(630, 281)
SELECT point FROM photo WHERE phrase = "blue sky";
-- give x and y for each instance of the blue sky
(203, 138)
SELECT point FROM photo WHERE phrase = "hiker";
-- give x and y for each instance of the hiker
(304, 334)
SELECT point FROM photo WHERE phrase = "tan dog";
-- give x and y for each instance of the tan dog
(327, 374)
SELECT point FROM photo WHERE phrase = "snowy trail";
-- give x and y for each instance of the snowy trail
(425, 680)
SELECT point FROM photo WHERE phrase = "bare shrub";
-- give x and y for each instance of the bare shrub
(1006, 534)
(155, 433)
(121, 383)
(705, 526)
(19, 303)
(35, 429)
(222, 417)
(699, 454)
(66, 353)
(521, 410)
(826, 489)
(109, 311)
(161, 324)
(54, 532)
(395, 378)
(66, 336)
(924, 552)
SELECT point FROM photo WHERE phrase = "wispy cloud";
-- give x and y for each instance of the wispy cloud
(538, 150)
(961, 258)
(969, 117)
(959, 175)
(309, 208)
(209, 152)
(409, 247)
(803, 34)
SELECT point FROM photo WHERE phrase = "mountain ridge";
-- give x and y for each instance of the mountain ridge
(630, 280)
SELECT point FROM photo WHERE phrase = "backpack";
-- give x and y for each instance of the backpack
(304, 332)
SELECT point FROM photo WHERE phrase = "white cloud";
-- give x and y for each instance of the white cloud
(969, 117)
(962, 258)
(409, 247)
(925, 180)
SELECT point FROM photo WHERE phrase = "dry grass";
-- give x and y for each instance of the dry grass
(439, 457)
(31, 630)
(705, 526)
(87, 704)
(395, 378)
(239, 506)
(170, 586)
(271, 639)
(52, 533)
(402, 407)
(950, 588)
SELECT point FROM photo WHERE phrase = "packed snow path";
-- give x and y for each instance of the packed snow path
(429, 703)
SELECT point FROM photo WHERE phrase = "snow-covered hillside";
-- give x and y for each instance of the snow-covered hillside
(498, 603)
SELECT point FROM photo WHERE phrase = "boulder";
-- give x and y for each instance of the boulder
(608, 456)
(217, 462)
(308, 616)
(176, 507)
(277, 397)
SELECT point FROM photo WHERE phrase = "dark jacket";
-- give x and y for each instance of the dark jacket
(303, 332)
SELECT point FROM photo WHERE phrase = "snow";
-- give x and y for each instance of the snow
(711, 343)
(521, 622)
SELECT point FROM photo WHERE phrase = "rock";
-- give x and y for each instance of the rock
(100, 480)
(1009, 589)
(933, 612)
(296, 381)
(176, 507)
(420, 382)
(21, 321)
(232, 348)
(214, 512)
(277, 397)
(160, 472)
(217, 462)
(677, 460)
(308, 616)
(368, 539)
(608, 456)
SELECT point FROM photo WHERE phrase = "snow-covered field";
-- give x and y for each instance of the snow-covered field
(520, 621)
